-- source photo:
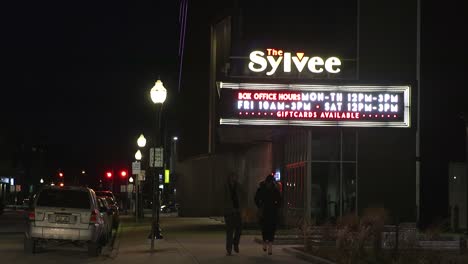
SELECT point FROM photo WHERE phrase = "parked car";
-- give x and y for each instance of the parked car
(65, 214)
(106, 194)
(116, 212)
(107, 214)
(169, 208)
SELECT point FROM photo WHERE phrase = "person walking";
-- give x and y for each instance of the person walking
(267, 200)
(232, 217)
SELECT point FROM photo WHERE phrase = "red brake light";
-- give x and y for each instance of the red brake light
(32, 215)
(93, 217)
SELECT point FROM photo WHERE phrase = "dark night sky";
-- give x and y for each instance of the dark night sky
(79, 73)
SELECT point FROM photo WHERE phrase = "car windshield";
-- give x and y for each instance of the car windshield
(64, 198)
(110, 201)
(106, 194)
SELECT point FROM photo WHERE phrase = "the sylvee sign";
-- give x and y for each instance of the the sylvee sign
(271, 61)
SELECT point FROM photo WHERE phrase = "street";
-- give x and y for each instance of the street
(186, 240)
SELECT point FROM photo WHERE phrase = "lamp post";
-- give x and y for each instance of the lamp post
(138, 157)
(158, 95)
(141, 142)
(172, 166)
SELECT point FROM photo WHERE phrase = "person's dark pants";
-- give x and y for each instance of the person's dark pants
(269, 222)
(233, 230)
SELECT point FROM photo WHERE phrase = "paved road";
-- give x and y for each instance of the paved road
(11, 251)
(12, 221)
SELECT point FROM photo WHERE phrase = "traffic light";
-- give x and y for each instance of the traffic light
(109, 174)
(60, 174)
(123, 173)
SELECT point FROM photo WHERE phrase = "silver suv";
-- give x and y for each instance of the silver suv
(65, 214)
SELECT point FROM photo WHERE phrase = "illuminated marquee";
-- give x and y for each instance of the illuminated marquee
(273, 58)
(314, 105)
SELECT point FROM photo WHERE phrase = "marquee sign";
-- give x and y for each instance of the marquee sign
(273, 60)
(314, 105)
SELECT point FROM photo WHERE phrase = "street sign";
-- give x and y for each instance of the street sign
(151, 158)
(156, 157)
(136, 167)
(141, 175)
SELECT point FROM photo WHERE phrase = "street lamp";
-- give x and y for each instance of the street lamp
(138, 155)
(141, 141)
(158, 95)
(41, 181)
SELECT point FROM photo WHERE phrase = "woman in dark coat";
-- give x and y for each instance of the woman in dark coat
(267, 199)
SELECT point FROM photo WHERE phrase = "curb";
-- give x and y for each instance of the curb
(280, 242)
(116, 243)
(308, 257)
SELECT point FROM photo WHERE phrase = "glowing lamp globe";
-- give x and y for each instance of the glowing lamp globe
(141, 141)
(138, 155)
(158, 93)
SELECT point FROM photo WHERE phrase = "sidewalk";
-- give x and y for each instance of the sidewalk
(188, 240)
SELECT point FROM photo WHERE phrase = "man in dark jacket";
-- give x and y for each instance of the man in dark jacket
(232, 217)
(268, 199)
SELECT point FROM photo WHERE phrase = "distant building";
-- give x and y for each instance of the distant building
(21, 168)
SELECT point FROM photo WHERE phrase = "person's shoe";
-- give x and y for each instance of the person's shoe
(264, 246)
(228, 253)
(270, 248)
(236, 248)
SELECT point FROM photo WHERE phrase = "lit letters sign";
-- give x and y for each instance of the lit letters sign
(273, 58)
(314, 105)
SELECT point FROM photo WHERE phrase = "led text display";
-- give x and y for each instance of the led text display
(314, 105)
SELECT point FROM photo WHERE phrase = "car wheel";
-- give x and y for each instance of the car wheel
(30, 245)
(94, 249)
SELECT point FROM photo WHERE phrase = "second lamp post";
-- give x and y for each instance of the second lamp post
(158, 95)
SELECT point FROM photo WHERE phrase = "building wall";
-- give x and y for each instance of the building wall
(386, 163)
(201, 180)
(386, 172)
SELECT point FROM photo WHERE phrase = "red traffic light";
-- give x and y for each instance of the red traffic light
(60, 174)
(109, 174)
(123, 174)
(61, 184)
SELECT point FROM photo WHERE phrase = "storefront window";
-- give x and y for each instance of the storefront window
(333, 173)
